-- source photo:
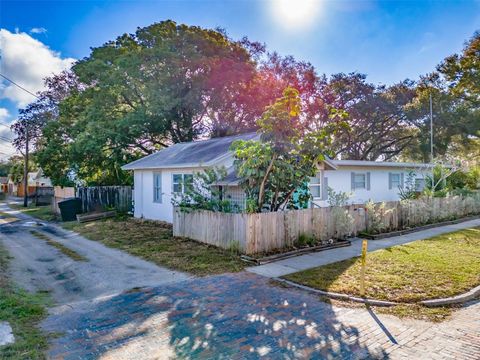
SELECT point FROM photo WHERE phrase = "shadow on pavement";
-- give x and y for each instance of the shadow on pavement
(238, 316)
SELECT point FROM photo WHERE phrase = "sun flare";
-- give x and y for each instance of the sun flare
(296, 13)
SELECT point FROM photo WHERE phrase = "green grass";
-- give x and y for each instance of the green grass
(153, 241)
(65, 250)
(23, 311)
(43, 212)
(442, 266)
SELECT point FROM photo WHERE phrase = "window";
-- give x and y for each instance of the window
(359, 181)
(316, 186)
(182, 182)
(157, 187)
(395, 181)
(419, 184)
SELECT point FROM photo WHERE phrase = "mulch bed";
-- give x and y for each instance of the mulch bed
(297, 252)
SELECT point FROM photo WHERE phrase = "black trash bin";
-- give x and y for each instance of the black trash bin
(69, 209)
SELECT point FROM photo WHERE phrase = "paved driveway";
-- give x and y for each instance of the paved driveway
(243, 316)
(232, 316)
(37, 265)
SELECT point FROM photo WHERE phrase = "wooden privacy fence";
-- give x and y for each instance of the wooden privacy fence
(60, 194)
(44, 195)
(398, 215)
(263, 232)
(105, 197)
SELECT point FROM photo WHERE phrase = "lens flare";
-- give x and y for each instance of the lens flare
(296, 13)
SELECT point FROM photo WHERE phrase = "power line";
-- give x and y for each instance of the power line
(19, 86)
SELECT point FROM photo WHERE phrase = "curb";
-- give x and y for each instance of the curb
(462, 298)
(337, 295)
(470, 295)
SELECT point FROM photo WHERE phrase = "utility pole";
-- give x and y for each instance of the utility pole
(25, 169)
(431, 138)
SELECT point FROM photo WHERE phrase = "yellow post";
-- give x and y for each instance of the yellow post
(362, 273)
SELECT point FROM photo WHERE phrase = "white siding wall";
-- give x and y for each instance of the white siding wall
(340, 180)
(145, 207)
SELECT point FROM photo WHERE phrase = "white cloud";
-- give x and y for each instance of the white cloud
(27, 61)
(4, 114)
(38, 30)
(6, 147)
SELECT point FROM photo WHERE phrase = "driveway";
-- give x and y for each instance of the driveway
(244, 316)
(38, 266)
(116, 306)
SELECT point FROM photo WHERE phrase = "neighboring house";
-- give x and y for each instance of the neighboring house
(35, 179)
(159, 176)
(4, 184)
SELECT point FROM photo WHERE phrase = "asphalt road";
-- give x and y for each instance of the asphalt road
(38, 266)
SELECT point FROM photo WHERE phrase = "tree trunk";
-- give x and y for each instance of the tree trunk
(261, 192)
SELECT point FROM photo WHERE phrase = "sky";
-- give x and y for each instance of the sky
(387, 40)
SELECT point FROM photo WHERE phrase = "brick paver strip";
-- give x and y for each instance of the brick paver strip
(243, 316)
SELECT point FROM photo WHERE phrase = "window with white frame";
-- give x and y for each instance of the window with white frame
(315, 185)
(157, 187)
(181, 182)
(395, 181)
(359, 181)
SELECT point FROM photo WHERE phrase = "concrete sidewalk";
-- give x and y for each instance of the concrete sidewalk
(303, 262)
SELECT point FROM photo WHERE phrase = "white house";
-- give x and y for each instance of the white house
(158, 176)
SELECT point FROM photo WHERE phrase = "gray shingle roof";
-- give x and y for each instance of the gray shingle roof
(189, 154)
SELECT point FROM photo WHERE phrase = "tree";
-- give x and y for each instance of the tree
(35, 118)
(242, 106)
(287, 154)
(462, 75)
(17, 164)
(378, 125)
(455, 91)
(141, 93)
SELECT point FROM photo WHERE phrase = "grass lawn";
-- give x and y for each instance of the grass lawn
(43, 212)
(23, 311)
(154, 241)
(441, 266)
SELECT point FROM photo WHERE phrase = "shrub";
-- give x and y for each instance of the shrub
(305, 240)
(342, 220)
(375, 217)
(234, 247)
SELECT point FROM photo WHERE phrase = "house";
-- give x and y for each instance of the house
(157, 177)
(4, 184)
(35, 179)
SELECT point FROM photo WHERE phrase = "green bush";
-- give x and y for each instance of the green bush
(305, 240)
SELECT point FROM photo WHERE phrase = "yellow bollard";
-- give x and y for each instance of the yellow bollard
(362, 271)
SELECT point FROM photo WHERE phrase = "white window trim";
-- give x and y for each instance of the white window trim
(364, 174)
(399, 181)
(182, 183)
(155, 200)
(319, 185)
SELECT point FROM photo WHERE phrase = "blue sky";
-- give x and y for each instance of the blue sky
(387, 40)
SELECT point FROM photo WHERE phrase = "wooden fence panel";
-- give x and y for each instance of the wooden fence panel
(60, 194)
(265, 232)
(101, 197)
(44, 195)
